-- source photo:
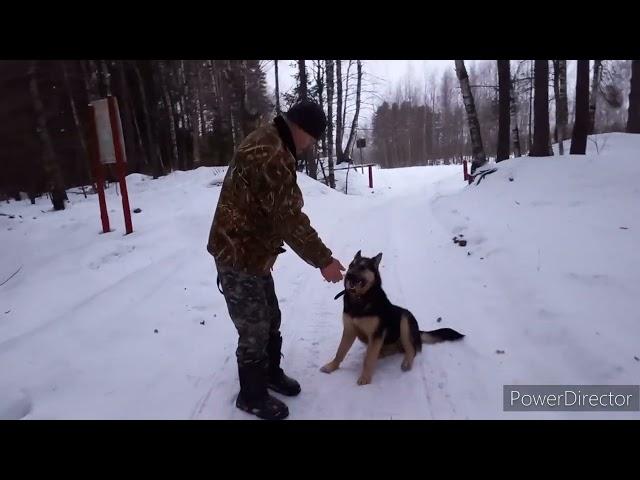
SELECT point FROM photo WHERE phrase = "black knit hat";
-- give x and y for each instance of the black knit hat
(309, 117)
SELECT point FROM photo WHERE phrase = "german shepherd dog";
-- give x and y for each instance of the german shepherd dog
(385, 328)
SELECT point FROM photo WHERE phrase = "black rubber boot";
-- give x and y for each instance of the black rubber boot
(277, 380)
(254, 397)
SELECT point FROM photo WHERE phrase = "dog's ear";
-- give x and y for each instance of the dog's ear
(377, 259)
(358, 255)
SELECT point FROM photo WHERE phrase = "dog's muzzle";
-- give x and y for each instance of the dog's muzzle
(351, 282)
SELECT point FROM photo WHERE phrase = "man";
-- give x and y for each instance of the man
(260, 208)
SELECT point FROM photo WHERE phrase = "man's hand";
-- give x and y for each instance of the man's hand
(332, 272)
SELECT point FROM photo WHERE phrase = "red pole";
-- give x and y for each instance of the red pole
(464, 170)
(98, 171)
(120, 161)
(370, 177)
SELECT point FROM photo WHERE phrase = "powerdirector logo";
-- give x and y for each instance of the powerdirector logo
(571, 398)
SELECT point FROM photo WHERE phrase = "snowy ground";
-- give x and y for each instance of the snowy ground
(550, 276)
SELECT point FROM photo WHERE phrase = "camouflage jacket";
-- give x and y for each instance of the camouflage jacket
(260, 206)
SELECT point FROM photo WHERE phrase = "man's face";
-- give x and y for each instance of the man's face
(306, 141)
(302, 139)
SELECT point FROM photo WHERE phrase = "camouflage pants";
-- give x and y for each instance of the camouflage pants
(253, 308)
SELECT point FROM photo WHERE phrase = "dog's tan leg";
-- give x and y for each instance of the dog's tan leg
(348, 337)
(407, 344)
(373, 353)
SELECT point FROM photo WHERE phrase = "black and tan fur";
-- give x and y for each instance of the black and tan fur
(385, 328)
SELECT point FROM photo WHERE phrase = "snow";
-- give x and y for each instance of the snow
(549, 276)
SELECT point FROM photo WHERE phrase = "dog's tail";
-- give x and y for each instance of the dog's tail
(440, 335)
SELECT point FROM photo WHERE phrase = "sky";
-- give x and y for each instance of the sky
(387, 73)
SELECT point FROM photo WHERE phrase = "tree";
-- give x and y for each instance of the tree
(562, 111)
(169, 114)
(303, 93)
(153, 149)
(531, 88)
(614, 84)
(479, 157)
(339, 127)
(277, 88)
(134, 148)
(80, 134)
(504, 86)
(317, 93)
(302, 80)
(595, 89)
(541, 142)
(633, 121)
(581, 123)
(49, 159)
(354, 124)
(329, 73)
(173, 111)
(513, 111)
(344, 106)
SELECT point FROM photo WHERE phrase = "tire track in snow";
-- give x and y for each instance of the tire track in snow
(74, 313)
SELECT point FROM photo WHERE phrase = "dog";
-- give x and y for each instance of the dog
(385, 328)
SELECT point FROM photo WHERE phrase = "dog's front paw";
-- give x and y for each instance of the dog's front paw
(364, 379)
(406, 365)
(329, 367)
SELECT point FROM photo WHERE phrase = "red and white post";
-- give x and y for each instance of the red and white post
(98, 170)
(106, 143)
(120, 154)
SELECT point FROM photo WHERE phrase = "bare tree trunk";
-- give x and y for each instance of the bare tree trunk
(329, 72)
(156, 160)
(515, 134)
(106, 76)
(189, 115)
(581, 123)
(479, 157)
(320, 88)
(633, 120)
(84, 167)
(354, 124)
(170, 115)
(556, 94)
(203, 126)
(562, 111)
(231, 75)
(278, 111)
(595, 86)
(196, 139)
(339, 132)
(435, 139)
(196, 113)
(128, 117)
(504, 84)
(91, 80)
(408, 158)
(49, 160)
(530, 104)
(309, 159)
(217, 91)
(244, 103)
(345, 99)
(127, 99)
(541, 141)
(302, 78)
(424, 126)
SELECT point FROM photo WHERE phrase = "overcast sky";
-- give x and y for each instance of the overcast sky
(387, 71)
